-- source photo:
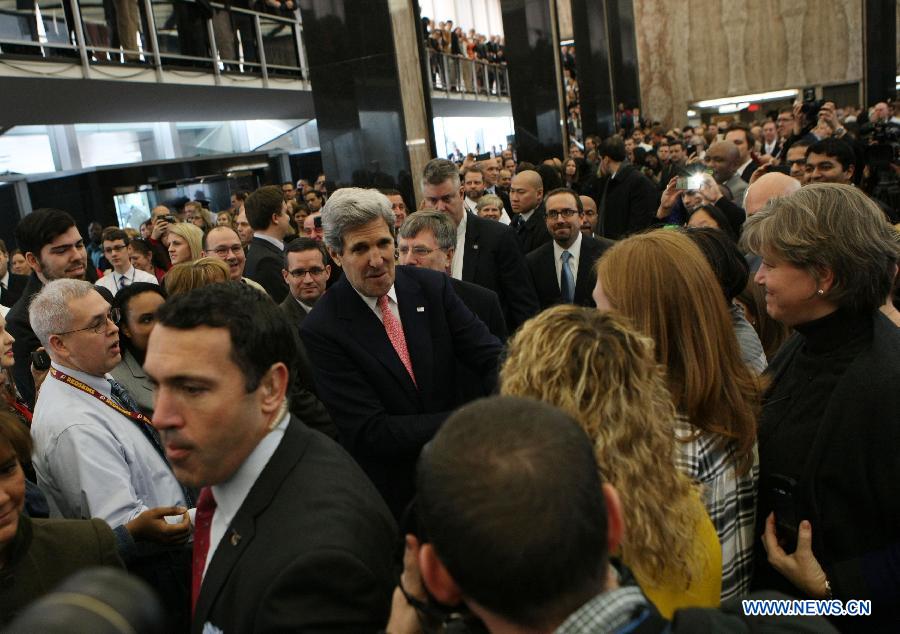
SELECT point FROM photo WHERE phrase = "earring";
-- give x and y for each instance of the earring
(820, 292)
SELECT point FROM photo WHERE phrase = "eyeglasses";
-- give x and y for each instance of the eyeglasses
(553, 214)
(114, 248)
(419, 251)
(315, 271)
(224, 251)
(99, 326)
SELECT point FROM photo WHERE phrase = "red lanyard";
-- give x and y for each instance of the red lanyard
(87, 389)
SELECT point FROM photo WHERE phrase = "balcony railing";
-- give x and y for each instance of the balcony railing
(462, 75)
(158, 34)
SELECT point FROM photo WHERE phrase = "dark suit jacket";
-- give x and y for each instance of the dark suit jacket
(264, 264)
(485, 304)
(493, 259)
(292, 308)
(26, 341)
(629, 204)
(542, 266)
(383, 417)
(10, 295)
(748, 171)
(308, 551)
(534, 232)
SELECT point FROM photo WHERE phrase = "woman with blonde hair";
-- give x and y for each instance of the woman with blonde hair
(187, 276)
(599, 370)
(184, 242)
(662, 282)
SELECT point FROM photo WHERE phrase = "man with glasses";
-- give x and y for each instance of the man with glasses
(95, 455)
(306, 274)
(428, 239)
(225, 243)
(563, 270)
(54, 249)
(115, 249)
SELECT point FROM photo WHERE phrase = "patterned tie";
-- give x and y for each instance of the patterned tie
(122, 396)
(206, 507)
(566, 279)
(395, 333)
(123, 282)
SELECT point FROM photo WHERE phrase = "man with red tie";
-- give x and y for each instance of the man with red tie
(289, 535)
(384, 343)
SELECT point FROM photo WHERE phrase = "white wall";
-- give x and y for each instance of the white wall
(482, 15)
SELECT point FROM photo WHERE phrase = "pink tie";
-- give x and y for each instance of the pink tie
(395, 333)
(206, 507)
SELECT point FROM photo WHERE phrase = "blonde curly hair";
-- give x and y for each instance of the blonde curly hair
(600, 371)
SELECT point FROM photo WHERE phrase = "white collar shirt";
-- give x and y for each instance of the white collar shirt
(4, 281)
(575, 251)
(456, 267)
(270, 239)
(372, 302)
(110, 281)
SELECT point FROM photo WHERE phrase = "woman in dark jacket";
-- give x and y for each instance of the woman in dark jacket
(829, 511)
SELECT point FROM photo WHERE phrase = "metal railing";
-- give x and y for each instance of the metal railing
(459, 74)
(159, 34)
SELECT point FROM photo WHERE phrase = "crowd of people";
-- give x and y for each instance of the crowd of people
(443, 38)
(566, 397)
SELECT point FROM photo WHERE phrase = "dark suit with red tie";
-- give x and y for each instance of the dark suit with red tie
(385, 419)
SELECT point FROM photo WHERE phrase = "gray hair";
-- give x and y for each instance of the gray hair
(489, 200)
(439, 224)
(350, 208)
(831, 226)
(438, 171)
(49, 311)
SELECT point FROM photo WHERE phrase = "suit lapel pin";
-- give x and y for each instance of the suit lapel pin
(475, 246)
(420, 309)
(235, 538)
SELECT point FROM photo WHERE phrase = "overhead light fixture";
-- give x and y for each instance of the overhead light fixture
(733, 107)
(763, 96)
(566, 42)
(691, 113)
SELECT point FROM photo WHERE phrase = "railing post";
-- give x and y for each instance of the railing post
(213, 49)
(487, 81)
(79, 37)
(262, 51)
(154, 40)
(301, 50)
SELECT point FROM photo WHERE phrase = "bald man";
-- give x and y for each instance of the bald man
(589, 222)
(526, 196)
(768, 186)
(724, 158)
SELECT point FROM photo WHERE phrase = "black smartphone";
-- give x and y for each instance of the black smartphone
(787, 517)
(40, 360)
(170, 219)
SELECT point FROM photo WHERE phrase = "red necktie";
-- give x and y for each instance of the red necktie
(206, 506)
(395, 333)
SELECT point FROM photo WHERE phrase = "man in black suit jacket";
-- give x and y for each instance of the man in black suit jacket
(389, 393)
(565, 214)
(268, 215)
(289, 535)
(427, 240)
(487, 252)
(626, 199)
(11, 287)
(526, 195)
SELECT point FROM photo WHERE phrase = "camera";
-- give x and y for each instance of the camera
(810, 109)
(40, 360)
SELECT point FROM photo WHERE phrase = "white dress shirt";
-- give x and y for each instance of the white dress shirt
(4, 281)
(575, 250)
(92, 461)
(110, 281)
(372, 302)
(741, 169)
(456, 267)
(768, 148)
(230, 495)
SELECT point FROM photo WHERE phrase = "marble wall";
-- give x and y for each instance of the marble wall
(701, 49)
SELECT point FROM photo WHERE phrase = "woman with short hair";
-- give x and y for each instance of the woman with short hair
(830, 426)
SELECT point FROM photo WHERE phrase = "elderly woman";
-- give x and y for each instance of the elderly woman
(830, 428)
(184, 242)
(490, 206)
(595, 367)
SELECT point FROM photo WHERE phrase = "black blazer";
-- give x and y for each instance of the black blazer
(534, 232)
(542, 267)
(309, 550)
(383, 417)
(493, 259)
(748, 171)
(11, 294)
(485, 304)
(264, 264)
(19, 326)
(292, 308)
(627, 203)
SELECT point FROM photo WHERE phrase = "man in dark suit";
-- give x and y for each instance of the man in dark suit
(487, 252)
(626, 199)
(527, 195)
(306, 272)
(289, 535)
(427, 240)
(491, 170)
(384, 342)
(563, 270)
(268, 214)
(11, 285)
(739, 134)
(54, 249)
